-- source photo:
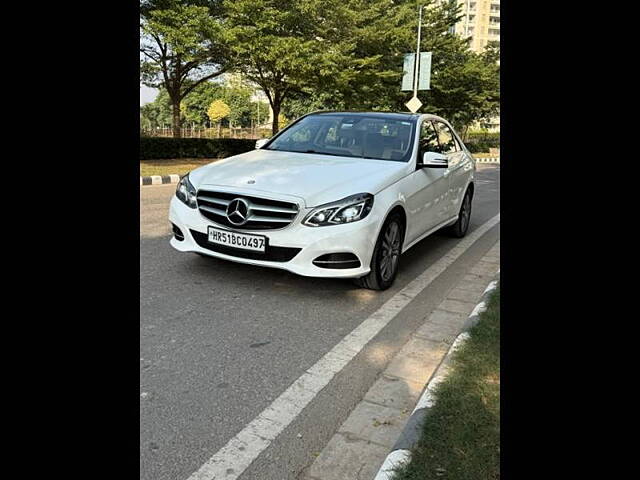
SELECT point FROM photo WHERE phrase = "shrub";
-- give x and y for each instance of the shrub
(482, 141)
(154, 148)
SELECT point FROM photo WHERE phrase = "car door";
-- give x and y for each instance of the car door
(426, 188)
(459, 167)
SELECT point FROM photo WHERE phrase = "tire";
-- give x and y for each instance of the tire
(459, 229)
(384, 261)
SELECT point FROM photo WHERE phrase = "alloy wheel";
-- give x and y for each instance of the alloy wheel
(465, 213)
(390, 252)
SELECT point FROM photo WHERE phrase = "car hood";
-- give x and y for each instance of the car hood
(314, 178)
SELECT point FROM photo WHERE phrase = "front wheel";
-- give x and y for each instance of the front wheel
(386, 256)
(459, 229)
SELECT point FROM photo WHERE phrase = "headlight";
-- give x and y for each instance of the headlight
(347, 210)
(186, 192)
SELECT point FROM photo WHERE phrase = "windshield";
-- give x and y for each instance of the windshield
(346, 135)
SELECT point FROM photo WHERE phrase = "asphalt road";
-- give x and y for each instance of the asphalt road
(219, 341)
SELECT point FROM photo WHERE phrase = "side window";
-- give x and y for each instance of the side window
(446, 138)
(428, 138)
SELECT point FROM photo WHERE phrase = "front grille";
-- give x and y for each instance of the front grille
(263, 214)
(272, 253)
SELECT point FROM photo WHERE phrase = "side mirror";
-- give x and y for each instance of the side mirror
(260, 143)
(433, 160)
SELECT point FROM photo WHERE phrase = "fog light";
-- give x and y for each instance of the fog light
(177, 233)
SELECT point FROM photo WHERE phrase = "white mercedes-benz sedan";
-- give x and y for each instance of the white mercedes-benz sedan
(335, 194)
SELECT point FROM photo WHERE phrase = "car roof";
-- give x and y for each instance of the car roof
(395, 115)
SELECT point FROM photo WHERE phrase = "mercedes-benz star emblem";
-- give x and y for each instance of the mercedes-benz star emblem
(238, 211)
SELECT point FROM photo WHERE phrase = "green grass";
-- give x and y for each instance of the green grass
(461, 435)
(485, 155)
(178, 166)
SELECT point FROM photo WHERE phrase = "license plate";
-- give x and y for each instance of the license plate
(257, 243)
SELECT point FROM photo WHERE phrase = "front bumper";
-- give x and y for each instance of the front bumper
(358, 238)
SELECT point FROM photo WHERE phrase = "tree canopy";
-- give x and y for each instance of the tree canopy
(285, 46)
(218, 110)
(308, 55)
(182, 45)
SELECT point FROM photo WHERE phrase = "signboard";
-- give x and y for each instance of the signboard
(424, 77)
(407, 79)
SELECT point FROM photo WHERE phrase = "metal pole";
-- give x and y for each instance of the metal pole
(416, 64)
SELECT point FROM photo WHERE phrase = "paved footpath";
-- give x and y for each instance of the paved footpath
(362, 442)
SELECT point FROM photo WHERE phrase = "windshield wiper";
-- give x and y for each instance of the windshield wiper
(325, 153)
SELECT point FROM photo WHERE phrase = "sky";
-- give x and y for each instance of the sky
(147, 94)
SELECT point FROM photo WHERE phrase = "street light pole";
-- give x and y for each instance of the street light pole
(416, 64)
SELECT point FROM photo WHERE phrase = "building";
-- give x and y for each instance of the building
(480, 22)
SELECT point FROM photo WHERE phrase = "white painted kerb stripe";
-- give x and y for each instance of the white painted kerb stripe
(492, 286)
(234, 458)
(393, 461)
(427, 399)
(478, 309)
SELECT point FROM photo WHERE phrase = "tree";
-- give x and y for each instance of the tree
(237, 94)
(198, 101)
(217, 111)
(464, 85)
(284, 46)
(375, 35)
(157, 113)
(182, 45)
(234, 92)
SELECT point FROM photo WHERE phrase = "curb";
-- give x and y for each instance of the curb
(488, 160)
(159, 179)
(401, 451)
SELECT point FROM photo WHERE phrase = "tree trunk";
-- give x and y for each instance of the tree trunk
(176, 119)
(275, 126)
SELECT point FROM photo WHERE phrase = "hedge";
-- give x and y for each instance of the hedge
(482, 141)
(153, 148)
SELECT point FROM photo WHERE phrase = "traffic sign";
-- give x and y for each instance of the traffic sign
(414, 104)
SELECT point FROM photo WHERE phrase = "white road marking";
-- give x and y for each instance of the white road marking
(236, 456)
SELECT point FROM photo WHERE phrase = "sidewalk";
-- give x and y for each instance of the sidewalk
(360, 445)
